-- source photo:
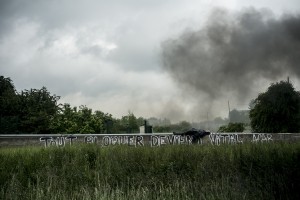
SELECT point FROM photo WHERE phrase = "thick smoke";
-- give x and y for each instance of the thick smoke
(234, 51)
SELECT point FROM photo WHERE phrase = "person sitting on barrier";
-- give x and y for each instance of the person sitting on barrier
(196, 134)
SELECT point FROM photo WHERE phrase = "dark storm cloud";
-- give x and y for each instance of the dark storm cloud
(97, 52)
(233, 51)
(115, 21)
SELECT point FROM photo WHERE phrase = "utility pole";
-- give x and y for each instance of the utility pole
(228, 111)
(207, 121)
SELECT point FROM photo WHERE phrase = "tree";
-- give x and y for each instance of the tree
(36, 108)
(8, 106)
(8, 96)
(162, 129)
(128, 124)
(178, 127)
(277, 110)
(64, 120)
(69, 120)
(232, 128)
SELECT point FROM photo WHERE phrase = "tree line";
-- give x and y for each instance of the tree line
(37, 111)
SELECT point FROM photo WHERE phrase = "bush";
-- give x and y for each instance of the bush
(232, 128)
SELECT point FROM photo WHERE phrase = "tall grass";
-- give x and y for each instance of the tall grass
(262, 171)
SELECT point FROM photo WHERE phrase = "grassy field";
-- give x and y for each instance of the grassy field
(261, 171)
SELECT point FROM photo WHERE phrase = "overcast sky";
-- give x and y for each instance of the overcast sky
(107, 55)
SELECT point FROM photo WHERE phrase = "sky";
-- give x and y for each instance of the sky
(149, 57)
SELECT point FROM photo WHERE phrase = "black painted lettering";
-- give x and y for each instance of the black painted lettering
(154, 140)
(171, 139)
(139, 140)
(71, 138)
(162, 140)
(106, 140)
(130, 141)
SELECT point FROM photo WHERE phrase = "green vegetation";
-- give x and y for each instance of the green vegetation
(262, 171)
(277, 110)
(179, 127)
(38, 111)
(30, 111)
(232, 128)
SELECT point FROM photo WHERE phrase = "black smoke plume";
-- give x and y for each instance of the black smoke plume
(234, 51)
